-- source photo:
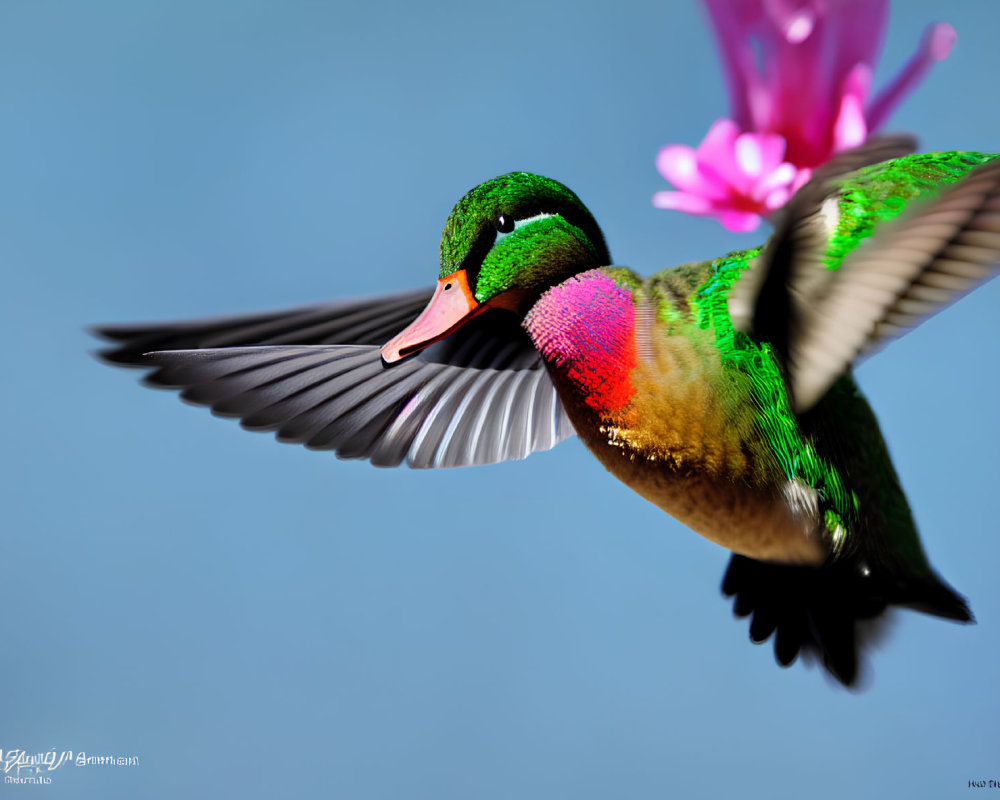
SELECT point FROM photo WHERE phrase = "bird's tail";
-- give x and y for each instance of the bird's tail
(830, 612)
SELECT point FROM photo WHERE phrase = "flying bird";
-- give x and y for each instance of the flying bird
(720, 390)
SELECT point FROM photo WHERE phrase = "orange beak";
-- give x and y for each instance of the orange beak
(451, 306)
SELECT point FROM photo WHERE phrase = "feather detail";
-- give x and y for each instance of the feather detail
(314, 376)
(585, 330)
(342, 398)
(860, 259)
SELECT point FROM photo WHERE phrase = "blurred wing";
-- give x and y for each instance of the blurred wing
(478, 397)
(800, 234)
(919, 264)
(822, 320)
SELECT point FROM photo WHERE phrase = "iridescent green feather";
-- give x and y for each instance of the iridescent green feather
(503, 268)
(469, 232)
(775, 420)
(880, 192)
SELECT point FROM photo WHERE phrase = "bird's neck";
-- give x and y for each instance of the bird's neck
(584, 329)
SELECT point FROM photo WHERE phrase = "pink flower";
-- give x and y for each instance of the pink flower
(798, 73)
(735, 176)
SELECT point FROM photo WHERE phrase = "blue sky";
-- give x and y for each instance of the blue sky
(257, 620)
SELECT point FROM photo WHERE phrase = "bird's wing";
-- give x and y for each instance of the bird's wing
(480, 396)
(793, 236)
(371, 320)
(860, 260)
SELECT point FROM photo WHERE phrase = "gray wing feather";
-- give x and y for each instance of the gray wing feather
(342, 398)
(315, 377)
(372, 320)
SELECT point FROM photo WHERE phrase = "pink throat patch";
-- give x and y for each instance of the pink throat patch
(585, 328)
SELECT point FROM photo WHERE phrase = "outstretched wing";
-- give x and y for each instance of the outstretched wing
(363, 321)
(315, 376)
(861, 260)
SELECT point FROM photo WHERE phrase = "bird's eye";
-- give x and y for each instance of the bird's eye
(505, 223)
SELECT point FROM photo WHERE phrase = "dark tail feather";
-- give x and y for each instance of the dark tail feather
(821, 611)
(933, 596)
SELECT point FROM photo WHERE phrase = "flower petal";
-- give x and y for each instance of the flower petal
(856, 36)
(940, 39)
(717, 161)
(799, 74)
(682, 201)
(759, 154)
(934, 46)
(749, 157)
(739, 221)
(733, 20)
(801, 179)
(796, 19)
(717, 146)
(782, 177)
(850, 128)
(678, 164)
(776, 198)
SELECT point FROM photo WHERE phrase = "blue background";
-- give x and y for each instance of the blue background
(257, 620)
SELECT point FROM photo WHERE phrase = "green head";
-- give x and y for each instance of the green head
(504, 244)
(520, 233)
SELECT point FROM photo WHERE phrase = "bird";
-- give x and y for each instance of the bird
(721, 391)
